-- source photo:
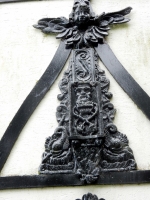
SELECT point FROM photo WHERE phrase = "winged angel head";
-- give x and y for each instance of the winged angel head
(84, 28)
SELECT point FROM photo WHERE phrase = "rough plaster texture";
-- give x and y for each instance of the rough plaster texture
(24, 55)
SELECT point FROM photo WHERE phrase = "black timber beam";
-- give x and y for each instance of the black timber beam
(53, 180)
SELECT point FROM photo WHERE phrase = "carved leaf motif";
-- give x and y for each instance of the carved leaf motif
(70, 33)
(72, 38)
(70, 41)
(77, 37)
(97, 35)
(63, 34)
(104, 28)
(100, 31)
(90, 37)
(123, 138)
(121, 22)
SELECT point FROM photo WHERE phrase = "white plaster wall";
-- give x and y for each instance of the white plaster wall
(25, 54)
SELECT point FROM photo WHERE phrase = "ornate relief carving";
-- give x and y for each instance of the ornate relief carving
(85, 119)
(83, 29)
(86, 141)
(83, 70)
(58, 156)
(87, 155)
(86, 137)
(116, 154)
(93, 144)
(85, 111)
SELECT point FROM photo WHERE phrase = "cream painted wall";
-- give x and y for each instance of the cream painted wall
(24, 55)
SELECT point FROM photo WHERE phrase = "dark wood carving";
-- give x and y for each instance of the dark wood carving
(53, 180)
(86, 147)
(83, 29)
(86, 141)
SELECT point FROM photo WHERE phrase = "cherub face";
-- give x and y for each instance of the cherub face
(83, 92)
(82, 15)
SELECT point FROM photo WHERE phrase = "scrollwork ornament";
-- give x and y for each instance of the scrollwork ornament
(86, 141)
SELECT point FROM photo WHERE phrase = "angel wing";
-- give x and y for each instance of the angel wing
(62, 27)
(102, 23)
(52, 25)
(96, 30)
(104, 20)
(117, 17)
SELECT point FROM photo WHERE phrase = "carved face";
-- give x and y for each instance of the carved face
(83, 92)
(81, 11)
(82, 15)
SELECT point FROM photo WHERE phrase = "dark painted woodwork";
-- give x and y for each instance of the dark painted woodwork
(86, 142)
(41, 181)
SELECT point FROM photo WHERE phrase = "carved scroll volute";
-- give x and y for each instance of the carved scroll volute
(85, 97)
